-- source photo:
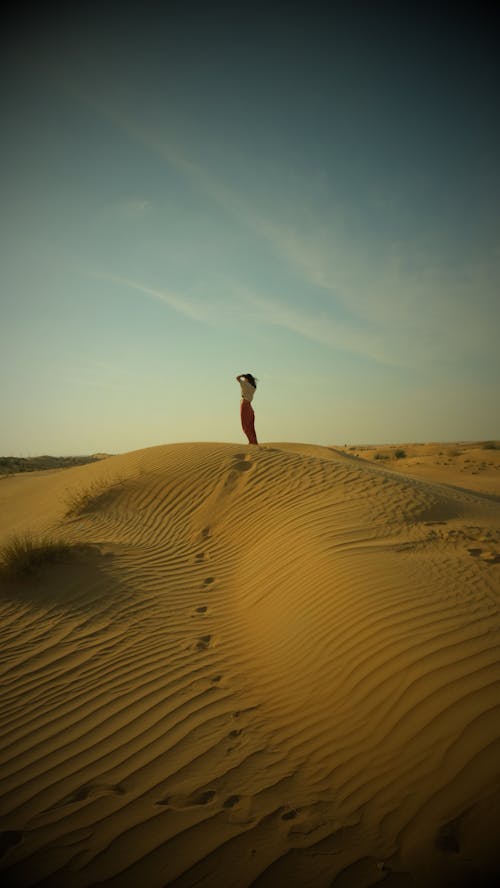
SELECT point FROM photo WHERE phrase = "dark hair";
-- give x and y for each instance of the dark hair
(251, 379)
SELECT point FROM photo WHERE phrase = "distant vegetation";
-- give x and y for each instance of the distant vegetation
(397, 454)
(24, 554)
(10, 465)
(491, 445)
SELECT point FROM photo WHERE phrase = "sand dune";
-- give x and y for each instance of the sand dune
(262, 666)
(474, 466)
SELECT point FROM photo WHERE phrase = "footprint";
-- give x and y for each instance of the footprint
(195, 799)
(448, 837)
(91, 791)
(203, 642)
(490, 557)
(216, 679)
(79, 795)
(475, 552)
(235, 733)
(201, 610)
(231, 801)
(237, 712)
(8, 839)
(208, 580)
(200, 556)
(206, 532)
(243, 466)
(203, 798)
(289, 815)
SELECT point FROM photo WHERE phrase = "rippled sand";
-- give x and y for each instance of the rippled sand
(267, 666)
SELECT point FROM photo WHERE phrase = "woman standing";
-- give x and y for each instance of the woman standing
(248, 386)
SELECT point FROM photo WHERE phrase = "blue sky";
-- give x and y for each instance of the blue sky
(310, 196)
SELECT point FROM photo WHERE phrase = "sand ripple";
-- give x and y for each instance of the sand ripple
(269, 666)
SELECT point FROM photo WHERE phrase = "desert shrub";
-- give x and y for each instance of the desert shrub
(24, 554)
(399, 454)
(490, 445)
(84, 499)
(381, 456)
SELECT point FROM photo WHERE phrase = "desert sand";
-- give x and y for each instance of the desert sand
(268, 666)
(474, 466)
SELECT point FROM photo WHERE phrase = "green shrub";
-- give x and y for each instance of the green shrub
(25, 554)
(490, 445)
(399, 454)
(381, 456)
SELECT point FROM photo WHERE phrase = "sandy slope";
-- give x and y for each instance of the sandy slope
(469, 465)
(269, 666)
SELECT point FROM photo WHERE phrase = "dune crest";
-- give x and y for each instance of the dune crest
(269, 665)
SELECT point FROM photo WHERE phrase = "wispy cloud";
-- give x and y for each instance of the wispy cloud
(405, 304)
(193, 310)
(399, 319)
(320, 328)
(133, 208)
(163, 147)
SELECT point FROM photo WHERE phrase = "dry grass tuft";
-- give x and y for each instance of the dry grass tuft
(91, 497)
(25, 554)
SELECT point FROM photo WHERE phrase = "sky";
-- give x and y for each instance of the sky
(192, 191)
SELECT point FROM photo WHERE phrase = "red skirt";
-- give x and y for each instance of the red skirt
(248, 421)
